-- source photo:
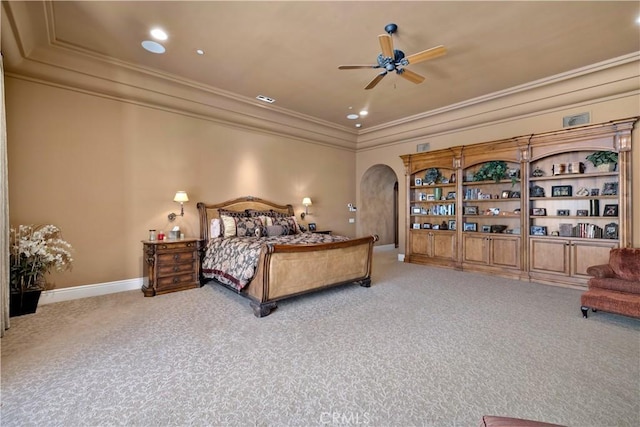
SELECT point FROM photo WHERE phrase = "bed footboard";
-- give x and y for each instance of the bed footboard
(288, 270)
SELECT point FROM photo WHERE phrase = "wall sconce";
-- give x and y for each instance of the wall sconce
(180, 197)
(306, 202)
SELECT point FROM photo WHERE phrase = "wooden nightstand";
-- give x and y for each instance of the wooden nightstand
(170, 266)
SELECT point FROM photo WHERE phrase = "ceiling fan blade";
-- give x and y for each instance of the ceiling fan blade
(411, 76)
(434, 52)
(375, 81)
(355, 67)
(386, 44)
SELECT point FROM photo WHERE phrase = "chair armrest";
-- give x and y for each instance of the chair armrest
(602, 271)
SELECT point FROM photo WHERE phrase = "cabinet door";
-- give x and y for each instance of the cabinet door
(550, 256)
(586, 254)
(444, 245)
(475, 248)
(505, 251)
(420, 243)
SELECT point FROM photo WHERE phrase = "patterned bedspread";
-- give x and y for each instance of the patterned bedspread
(234, 260)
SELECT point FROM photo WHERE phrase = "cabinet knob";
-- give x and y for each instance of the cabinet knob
(176, 280)
(176, 256)
(176, 269)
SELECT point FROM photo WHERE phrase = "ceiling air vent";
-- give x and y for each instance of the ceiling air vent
(578, 119)
(265, 99)
(423, 147)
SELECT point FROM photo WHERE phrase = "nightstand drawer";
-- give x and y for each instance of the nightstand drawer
(178, 281)
(168, 270)
(176, 246)
(176, 257)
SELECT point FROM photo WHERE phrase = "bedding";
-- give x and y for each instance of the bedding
(233, 261)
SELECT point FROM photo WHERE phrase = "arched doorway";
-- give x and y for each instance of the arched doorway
(379, 204)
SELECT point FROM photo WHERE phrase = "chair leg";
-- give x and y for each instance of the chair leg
(584, 311)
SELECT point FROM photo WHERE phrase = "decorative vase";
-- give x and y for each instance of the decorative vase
(606, 167)
(23, 303)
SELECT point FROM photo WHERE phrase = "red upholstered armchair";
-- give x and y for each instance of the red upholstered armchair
(615, 287)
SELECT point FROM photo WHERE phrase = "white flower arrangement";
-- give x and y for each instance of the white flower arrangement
(35, 251)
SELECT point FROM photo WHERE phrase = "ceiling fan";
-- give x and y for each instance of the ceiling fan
(394, 60)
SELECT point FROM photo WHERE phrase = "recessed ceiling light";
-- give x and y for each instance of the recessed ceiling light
(153, 47)
(158, 34)
(358, 125)
(265, 99)
(352, 116)
(200, 51)
(364, 112)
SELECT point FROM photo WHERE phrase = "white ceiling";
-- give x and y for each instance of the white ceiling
(291, 50)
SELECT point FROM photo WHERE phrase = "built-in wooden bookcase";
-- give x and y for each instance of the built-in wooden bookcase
(577, 211)
(548, 218)
(432, 209)
(491, 205)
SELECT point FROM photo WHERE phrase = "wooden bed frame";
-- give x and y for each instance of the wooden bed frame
(289, 270)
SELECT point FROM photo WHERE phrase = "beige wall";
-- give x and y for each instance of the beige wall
(105, 171)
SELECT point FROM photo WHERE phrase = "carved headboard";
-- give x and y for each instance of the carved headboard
(207, 212)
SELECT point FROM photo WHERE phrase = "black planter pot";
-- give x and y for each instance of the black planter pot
(23, 303)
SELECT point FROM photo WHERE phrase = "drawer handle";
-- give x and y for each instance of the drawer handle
(176, 268)
(176, 256)
(176, 280)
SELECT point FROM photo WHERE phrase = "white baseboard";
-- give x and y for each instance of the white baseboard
(86, 291)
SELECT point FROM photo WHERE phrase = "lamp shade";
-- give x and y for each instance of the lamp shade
(181, 196)
(306, 201)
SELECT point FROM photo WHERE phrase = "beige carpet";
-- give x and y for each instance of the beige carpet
(421, 347)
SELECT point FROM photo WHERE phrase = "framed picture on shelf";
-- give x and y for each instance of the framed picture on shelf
(312, 226)
(470, 210)
(470, 226)
(514, 194)
(452, 222)
(431, 197)
(416, 210)
(563, 212)
(418, 181)
(610, 189)
(451, 195)
(582, 212)
(610, 210)
(415, 226)
(538, 212)
(611, 231)
(506, 194)
(594, 192)
(538, 230)
(561, 191)
(436, 226)
(486, 229)
(422, 197)
(536, 191)
(566, 230)
(426, 225)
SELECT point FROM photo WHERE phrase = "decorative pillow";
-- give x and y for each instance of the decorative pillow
(276, 230)
(289, 223)
(216, 229)
(248, 226)
(229, 228)
(235, 214)
(254, 213)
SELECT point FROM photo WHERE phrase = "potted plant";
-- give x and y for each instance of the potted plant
(34, 252)
(604, 160)
(494, 170)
